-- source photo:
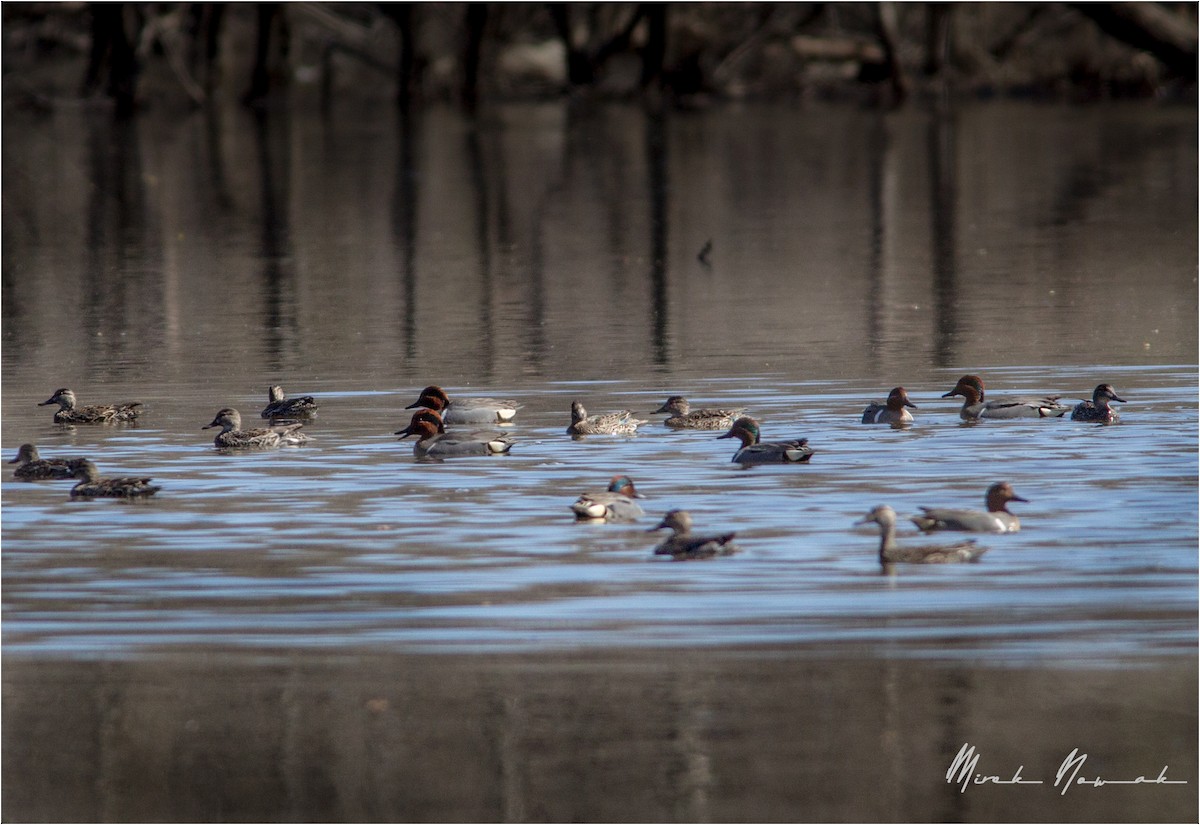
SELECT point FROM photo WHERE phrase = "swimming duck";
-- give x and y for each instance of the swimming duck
(970, 387)
(682, 417)
(280, 406)
(466, 410)
(435, 445)
(618, 423)
(891, 411)
(1098, 409)
(233, 437)
(997, 519)
(614, 504)
(90, 483)
(35, 468)
(890, 552)
(754, 451)
(68, 413)
(683, 546)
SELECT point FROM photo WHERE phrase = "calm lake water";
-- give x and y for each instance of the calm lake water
(340, 632)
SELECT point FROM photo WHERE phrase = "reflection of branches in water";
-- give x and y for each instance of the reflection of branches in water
(271, 132)
(404, 223)
(116, 230)
(482, 200)
(876, 196)
(658, 182)
(943, 206)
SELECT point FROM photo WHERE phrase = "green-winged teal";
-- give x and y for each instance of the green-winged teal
(1098, 409)
(618, 423)
(891, 411)
(683, 545)
(683, 417)
(614, 504)
(280, 406)
(35, 468)
(756, 451)
(434, 445)
(90, 483)
(974, 407)
(466, 410)
(996, 519)
(233, 437)
(891, 553)
(68, 413)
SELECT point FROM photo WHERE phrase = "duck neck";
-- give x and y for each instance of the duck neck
(887, 538)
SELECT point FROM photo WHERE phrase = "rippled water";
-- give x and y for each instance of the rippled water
(349, 541)
(549, 254)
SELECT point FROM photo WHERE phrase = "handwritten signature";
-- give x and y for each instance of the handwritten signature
(963, 772)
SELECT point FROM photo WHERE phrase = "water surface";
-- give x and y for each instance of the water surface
(550, 253)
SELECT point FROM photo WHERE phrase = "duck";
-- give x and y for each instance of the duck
(754, 451)
(466, 410)
(683, 417)
(1098, 409)
(891, 553)
(435, 445)
(614, 504)
(891, 411)
(90, 483)
(35, 468)
(280, 406)
(68, 413)
(682, 545)
(997, 518)
(618, 423)
(233, 437)
(970, 387)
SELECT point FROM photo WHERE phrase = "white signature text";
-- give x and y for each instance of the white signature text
(962, 772)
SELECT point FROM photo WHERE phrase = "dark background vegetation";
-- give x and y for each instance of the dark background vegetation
(134, 55)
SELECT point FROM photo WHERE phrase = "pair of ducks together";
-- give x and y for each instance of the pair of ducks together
(970, 387)
(69, 411)
(35, 468)
(617, 504)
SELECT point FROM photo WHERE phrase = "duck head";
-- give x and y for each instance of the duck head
(678, 520)
(1106, 392)
(433, 398)
(624, 486)
(898, 399)
(227, 419)
(969, 387)
(63, 397)
(746, 429)
(422, 417)
(676, 404)
(1000, 494)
